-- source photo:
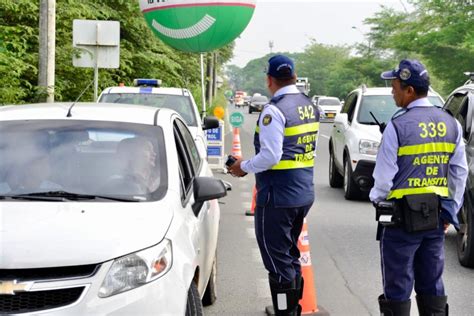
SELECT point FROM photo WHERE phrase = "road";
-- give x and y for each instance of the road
(345, 255)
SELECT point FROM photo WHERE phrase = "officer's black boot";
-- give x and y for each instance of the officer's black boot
(285, 297)
(394, 308)
(429, 305)
(300, 286)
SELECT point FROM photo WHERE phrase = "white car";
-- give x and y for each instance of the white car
(356, 136)
(148, 92)
(331, 106)
(105, 209)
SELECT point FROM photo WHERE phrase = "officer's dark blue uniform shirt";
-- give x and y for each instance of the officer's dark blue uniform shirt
(386, 168)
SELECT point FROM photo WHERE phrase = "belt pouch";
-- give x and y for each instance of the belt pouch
(420, 212)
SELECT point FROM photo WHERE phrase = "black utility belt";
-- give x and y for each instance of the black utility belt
(413, 213)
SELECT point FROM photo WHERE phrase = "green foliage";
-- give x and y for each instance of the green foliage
(142, 55)
(438, 31)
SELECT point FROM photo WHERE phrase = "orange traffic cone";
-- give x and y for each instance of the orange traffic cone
(309, 302)
(236, 149)
(251, 212)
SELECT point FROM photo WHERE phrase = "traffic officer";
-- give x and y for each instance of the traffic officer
(285, 142)
(421, 165)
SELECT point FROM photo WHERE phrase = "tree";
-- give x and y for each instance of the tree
(439, 31)
(142, 55)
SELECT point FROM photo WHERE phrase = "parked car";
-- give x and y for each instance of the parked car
(148, 92)
(331, 106)
(315, 98)
(257, 103)
(355, 138)
(461, 104)
(247, 100)
(121, 217)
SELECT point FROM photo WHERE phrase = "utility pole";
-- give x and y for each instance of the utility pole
(47, 48)
(270, 44)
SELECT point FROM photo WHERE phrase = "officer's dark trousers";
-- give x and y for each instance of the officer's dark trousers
(277, 231)
(409, 259)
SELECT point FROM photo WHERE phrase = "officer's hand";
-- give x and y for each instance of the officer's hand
(446, 226)
(235, 169)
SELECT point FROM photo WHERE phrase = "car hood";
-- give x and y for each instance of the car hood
(51, 234)
(369, 132)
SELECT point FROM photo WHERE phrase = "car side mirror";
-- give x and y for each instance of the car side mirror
(207, 188)
(210, 122)
(341, 118)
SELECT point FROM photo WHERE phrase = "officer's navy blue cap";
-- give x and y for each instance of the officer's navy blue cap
(412, 72)
(280, 66)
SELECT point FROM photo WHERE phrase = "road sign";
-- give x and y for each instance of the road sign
(214, 134)
(236, 119)
(215, 146)
(97, 43)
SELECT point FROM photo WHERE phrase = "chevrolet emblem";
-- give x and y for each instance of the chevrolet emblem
(12, 287)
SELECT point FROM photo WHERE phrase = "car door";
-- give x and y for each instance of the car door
(341, 128)
(191, 166)
(461, 106)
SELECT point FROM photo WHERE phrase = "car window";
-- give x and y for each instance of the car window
(83, 157)
(190, 146)
(329, 102)
(457, 105)
(436, 101)
(179, 103)
(350, 105)
(383, 107)
(184, 162)
(347, 103)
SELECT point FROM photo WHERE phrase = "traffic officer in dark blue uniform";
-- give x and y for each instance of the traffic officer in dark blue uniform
(420, 177)
(285, 142)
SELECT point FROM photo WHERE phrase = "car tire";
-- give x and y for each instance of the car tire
(465, 236)
(250, 110)
(210, 295)
(194, 304)
(351, 191)
(335, 179)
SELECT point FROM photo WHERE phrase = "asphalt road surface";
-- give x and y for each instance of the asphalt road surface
(344, 252)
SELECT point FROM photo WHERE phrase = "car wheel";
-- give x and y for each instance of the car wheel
(351, 191)
(465, 237)
(194, 304)
(335, 179)
(210, 295)
(250, 110)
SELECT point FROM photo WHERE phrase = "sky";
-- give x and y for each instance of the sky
(291, 24)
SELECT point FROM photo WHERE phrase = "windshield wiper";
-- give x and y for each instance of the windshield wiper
(64, 195)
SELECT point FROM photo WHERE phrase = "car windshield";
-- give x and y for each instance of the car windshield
(329, 102)
(179, 103)
(260, 99)
(82, 158)
(383, 107)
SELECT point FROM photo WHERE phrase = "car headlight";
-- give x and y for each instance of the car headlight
(368, 147)
(137, 269)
